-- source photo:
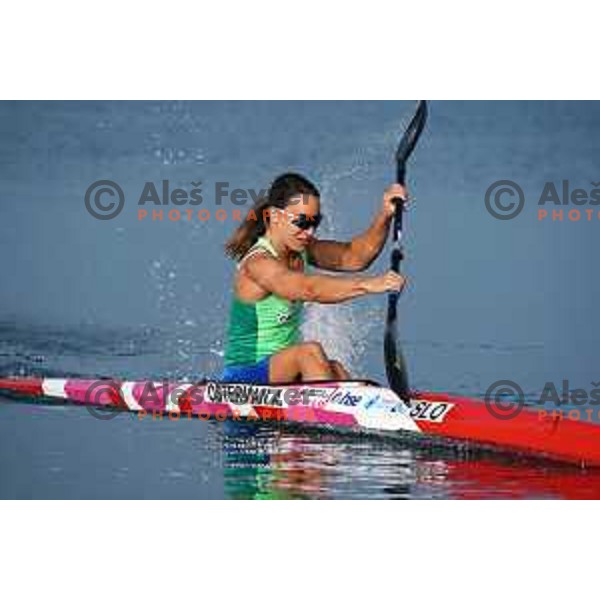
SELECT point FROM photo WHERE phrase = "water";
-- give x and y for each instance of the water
(489, 299)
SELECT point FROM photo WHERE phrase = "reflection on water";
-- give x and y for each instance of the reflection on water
(269, 462)
(50, 451)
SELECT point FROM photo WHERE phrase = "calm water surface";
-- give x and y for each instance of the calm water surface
(489, 299)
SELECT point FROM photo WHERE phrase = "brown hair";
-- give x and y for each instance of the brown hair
(284, 188)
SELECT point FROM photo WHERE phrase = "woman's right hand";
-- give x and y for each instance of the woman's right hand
(388, 282)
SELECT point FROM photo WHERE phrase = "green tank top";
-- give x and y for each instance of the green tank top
(259, 329)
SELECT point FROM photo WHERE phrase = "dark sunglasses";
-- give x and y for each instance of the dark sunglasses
(306, 222)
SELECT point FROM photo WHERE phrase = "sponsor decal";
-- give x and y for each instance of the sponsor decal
(371, 402)
(382, 403)
(345, 398)
(239, 393)
(435, 412)
(284, 397)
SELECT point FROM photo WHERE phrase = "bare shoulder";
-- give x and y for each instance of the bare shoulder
(259, 263)
(250, 277)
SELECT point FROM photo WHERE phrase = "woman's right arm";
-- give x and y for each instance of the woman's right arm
(275, 278)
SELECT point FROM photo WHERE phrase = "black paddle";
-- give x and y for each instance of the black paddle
(395, 365)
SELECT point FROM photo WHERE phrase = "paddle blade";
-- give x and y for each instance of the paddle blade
(409, 140)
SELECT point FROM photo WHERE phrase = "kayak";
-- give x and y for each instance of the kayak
(357, 406)
(352, 406)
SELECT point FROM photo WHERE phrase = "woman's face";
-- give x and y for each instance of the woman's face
(296, 224)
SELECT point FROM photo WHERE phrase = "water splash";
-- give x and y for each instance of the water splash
(341, 332)
(343, 329)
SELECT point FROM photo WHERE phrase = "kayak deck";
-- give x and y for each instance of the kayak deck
(348, 405)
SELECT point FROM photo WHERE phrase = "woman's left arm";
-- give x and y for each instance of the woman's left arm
(359, 253)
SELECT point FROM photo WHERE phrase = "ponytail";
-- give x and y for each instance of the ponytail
(248, 233)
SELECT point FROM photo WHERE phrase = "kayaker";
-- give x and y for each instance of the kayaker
(273, 251)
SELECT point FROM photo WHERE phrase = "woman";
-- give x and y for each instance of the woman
(273, 251)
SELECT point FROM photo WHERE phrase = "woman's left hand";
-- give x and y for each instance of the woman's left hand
(391, 193)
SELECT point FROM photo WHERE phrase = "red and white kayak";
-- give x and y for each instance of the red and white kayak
(350, 405)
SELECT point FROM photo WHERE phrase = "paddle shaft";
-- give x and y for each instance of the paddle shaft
(395, 365)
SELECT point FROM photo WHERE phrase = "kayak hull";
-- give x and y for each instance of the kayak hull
(528, 432)
(353, 406)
